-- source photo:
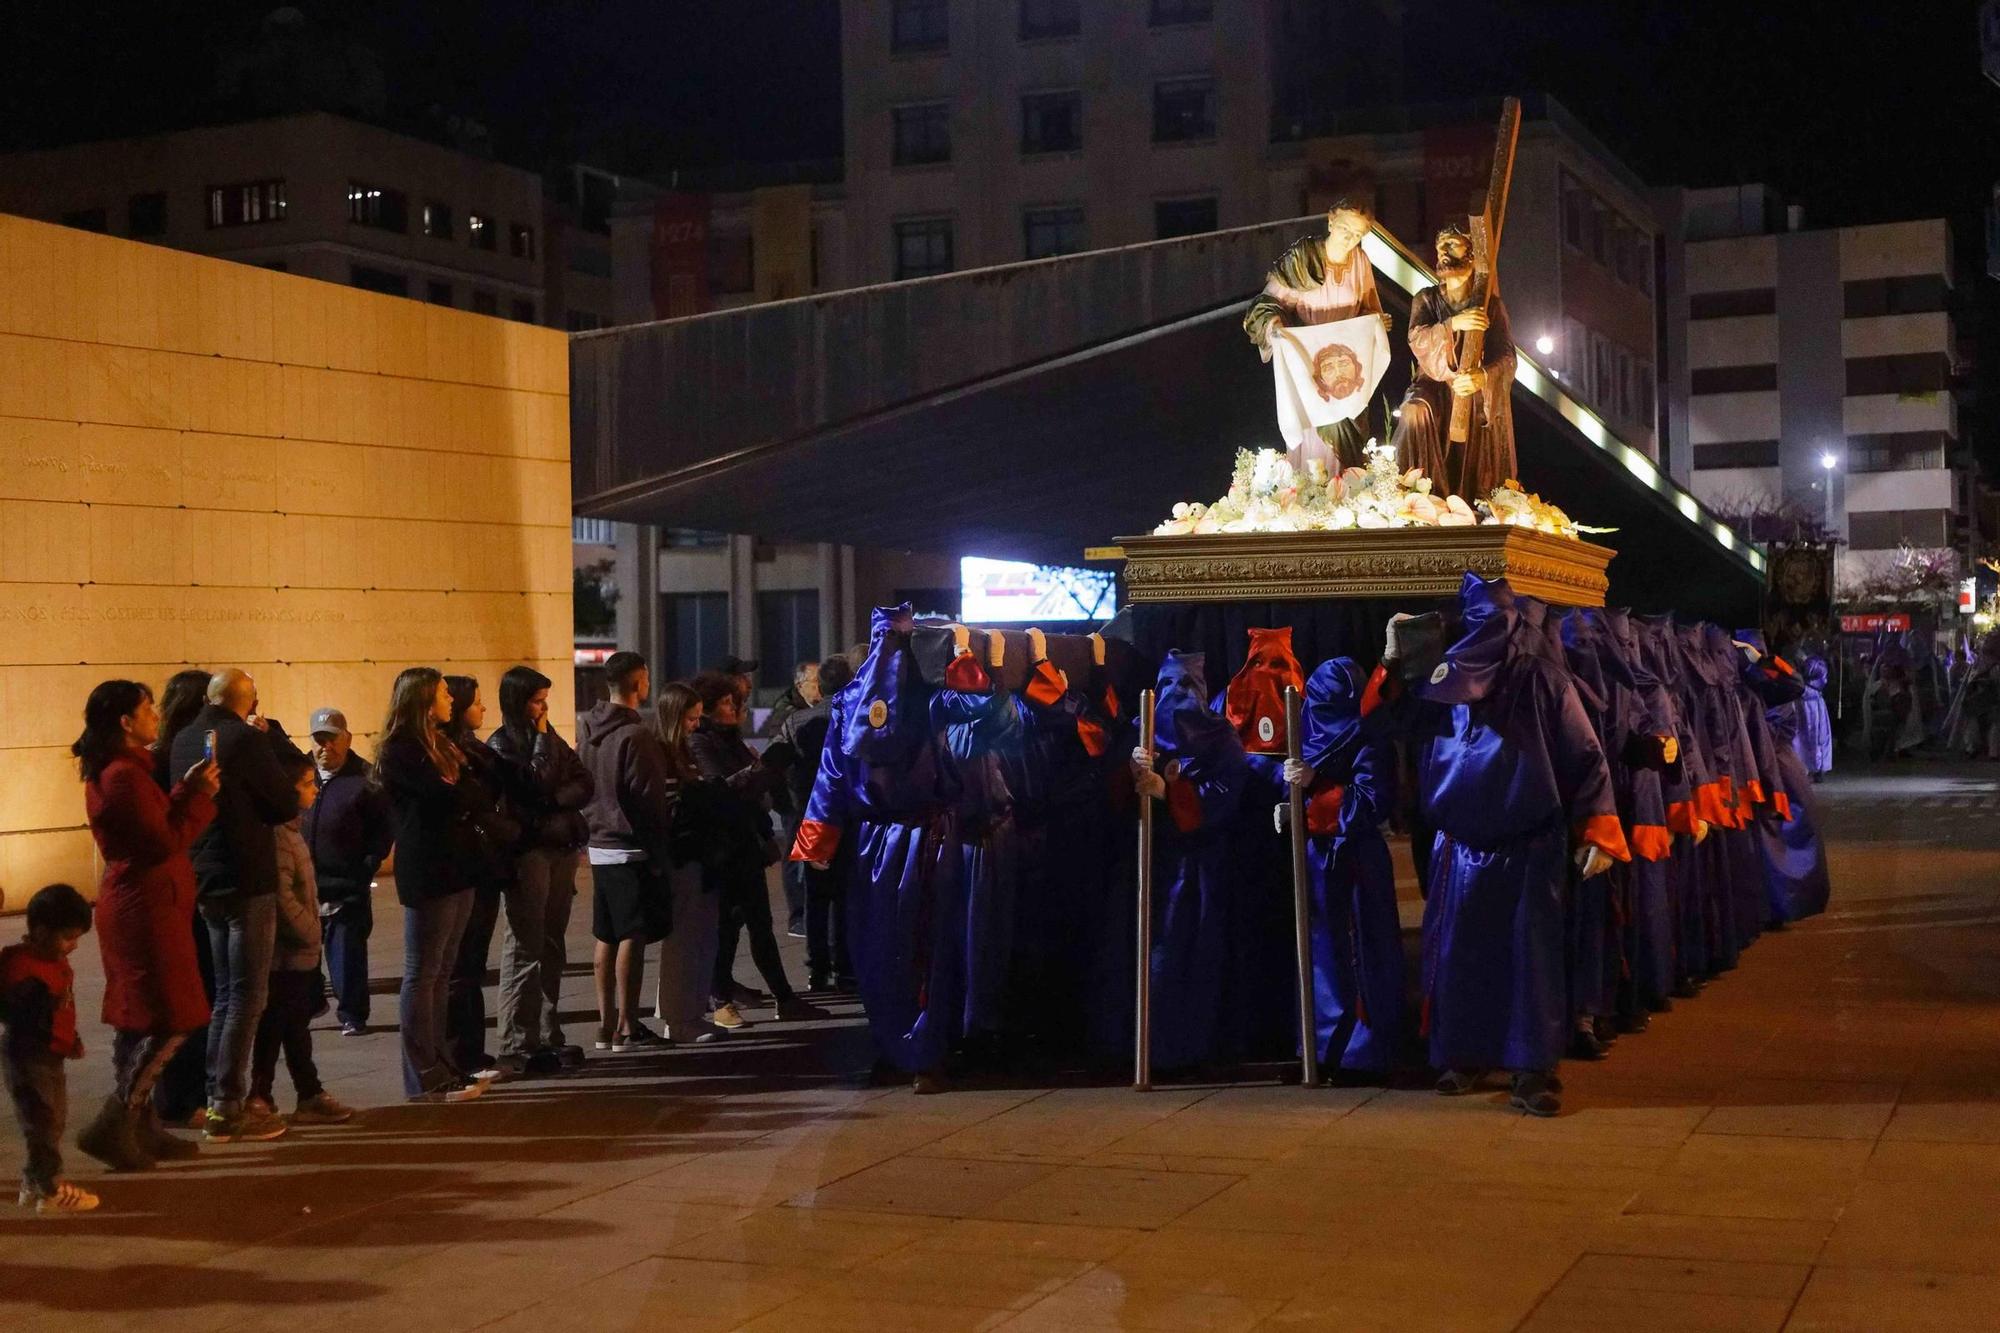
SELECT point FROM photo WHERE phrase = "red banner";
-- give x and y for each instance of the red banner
(680, 255)
(1458, 160)
(1893, 621)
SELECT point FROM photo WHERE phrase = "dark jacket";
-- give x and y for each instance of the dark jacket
(492, 830)
(794, 752)
(790, 702)
(551, 788)
(743, 787)
(348, 831)
(429, 817)
(629, 806)
(238, 854)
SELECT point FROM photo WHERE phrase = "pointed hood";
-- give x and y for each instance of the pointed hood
(1182, 722)
(1473, 664)
(1332, 717)
(1255, 702)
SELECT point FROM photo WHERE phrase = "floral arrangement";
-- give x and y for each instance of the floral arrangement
(1266, 495)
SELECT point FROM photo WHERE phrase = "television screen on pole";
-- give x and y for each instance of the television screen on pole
(1012, 592)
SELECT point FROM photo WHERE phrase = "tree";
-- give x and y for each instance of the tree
(594, 597)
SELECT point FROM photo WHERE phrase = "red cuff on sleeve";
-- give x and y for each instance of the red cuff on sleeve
(817, 841)
(1372, 693)
(1606, 834)
(1783, 665)
(1756, 791)
(1046, 686)
(1652, 842)
(1783, 805)
(1092, 735)
(1681, 817)
(1323, 810)
(1184, 805)
(966, 675)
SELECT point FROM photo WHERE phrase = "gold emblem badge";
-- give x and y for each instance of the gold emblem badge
(878, 713)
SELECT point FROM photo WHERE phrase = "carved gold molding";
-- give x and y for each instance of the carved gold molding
(1396, 562)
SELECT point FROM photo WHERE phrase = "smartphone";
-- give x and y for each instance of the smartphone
(208, 747)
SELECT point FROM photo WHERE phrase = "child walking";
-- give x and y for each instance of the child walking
(38, 1005)
(298, 990)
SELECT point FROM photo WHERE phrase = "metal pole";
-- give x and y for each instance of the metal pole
(1142, 1009)
(1301, 899)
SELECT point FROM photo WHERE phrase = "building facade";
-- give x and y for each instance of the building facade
(1820, 372)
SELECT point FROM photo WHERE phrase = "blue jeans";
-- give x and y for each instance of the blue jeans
(465, 994)
(346, 929)
(432, 930)
(242, 932)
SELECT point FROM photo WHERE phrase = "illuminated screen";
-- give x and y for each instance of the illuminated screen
(1010, 592)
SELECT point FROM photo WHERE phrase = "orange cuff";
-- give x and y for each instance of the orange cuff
(1783, 805)
(1371, 694)
(1756, 790)
(817, 841)
(1046, 686)
(1323, 810)
(1783, 665)
(1605, 833)
(1652, 842)
(1092, 736)
(1681, 817)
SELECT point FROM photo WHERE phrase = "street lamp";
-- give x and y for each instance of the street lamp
(1828, 461)
(1545, 345)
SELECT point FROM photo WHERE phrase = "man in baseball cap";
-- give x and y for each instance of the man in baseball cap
(349, 833)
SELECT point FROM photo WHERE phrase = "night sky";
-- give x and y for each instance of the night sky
(1860, 111)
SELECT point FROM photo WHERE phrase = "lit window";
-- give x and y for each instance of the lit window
(481, 232)
(521, 240)
(246, 204)
(377, 206)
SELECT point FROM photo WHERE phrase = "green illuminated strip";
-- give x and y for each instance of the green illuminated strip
(1390, 259)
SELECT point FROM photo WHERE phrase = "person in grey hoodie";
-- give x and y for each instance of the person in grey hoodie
(629, 817)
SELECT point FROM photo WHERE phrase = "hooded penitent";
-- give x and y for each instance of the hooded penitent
(1796, 883)
(1255, 703)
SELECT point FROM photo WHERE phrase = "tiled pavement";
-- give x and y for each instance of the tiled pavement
(1813, 1144)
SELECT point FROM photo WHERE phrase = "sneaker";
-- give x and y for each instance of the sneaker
(65, 1198)
(323, 1109)
(639, 1038)
(353, 1029)
(260, 1106)
(246, 1126)
(795, 930)
(464, 1090)
(489, 1074)
(728, 1016)
(796, 1010)
(820, 983)
(747, 997)
(1533, 1094)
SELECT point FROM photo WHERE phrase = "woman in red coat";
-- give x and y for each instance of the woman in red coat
(152, 987)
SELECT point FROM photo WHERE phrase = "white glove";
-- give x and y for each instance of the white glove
(1389, 635)
(1281, 817)
(1749, 650)
(1701, 827)
(1298, 773)
(1149, 784)
(1592, 860)
(1142, 757)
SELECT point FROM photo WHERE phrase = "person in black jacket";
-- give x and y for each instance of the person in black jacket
(348, 833)
(236, 874)
(551, 788)
(722, 757)
(630, 818)
(419, 769)
(794, 754)
(491, 835)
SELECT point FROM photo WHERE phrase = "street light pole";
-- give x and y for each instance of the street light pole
(1828, 460)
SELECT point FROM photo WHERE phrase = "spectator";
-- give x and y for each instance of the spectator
(145, 903)
(800, 695)
(419, 768)
(748, 849)
(551, 790)
(181, 1093)
(489, 836)
(236, 874)
(298, 991)
(687, 955)
(628, 820)
(743, 671)
(348, 833)
(794, 753)
(38, 1005)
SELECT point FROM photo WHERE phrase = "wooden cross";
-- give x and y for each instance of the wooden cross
(1489, 212)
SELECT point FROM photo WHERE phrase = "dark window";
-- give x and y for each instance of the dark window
(695, 627)
(1737, 453)
(438, 293)
(690, 538)
(146, 215)
(485, 303)
(524, 310)
(481, 232)
(1887, 529)
(85, 219)
(246, 204)
(1898, 451)
(378, 206)
(1051, 122)
(1166, 12)
(787, 634)
(1727, 305)
(1183, 217)
(437, 221)
(378, 280)
(1733, 379)
(1597, 232)
(1183, 109)
(923, 134)
(1050, 18)
(920, 25)
(1575, 206)
(1913, 373)
(923, 247)
(732, 264)
(521, 240)
(580, 321)
(1920, 294)
(1052, 231)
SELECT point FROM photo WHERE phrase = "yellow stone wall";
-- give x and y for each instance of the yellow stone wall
(206, 463)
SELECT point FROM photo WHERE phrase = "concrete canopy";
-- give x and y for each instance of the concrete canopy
(1032, 410)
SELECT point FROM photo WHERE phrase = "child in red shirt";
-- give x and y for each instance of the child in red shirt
(38, 1005)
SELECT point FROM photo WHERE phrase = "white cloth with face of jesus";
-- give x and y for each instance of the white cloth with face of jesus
(1322, 374)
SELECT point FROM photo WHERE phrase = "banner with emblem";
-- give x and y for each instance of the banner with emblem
(1326, 373)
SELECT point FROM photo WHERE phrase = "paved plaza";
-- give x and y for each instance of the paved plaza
(1812, 1144)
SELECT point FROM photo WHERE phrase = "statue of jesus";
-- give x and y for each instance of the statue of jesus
(1319, 280)
(1440, 317)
